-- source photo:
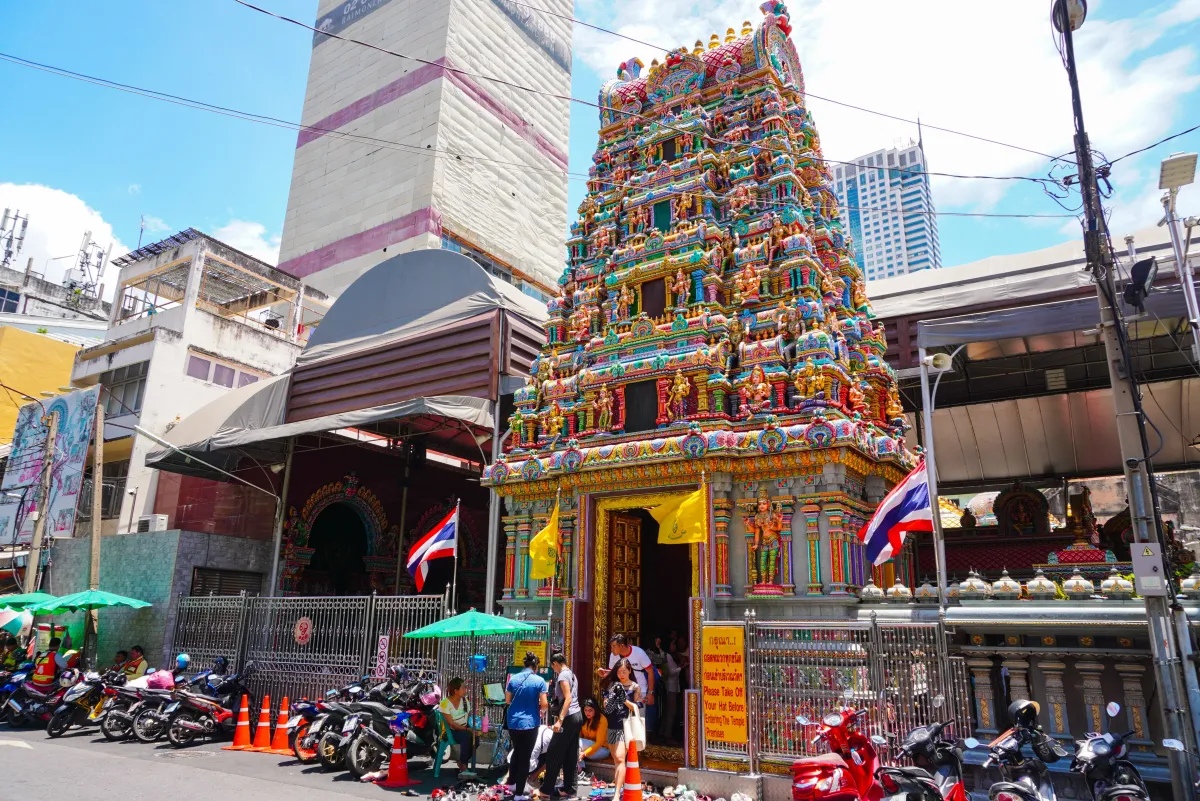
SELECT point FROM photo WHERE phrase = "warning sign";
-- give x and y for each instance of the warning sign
(723, 671)
(1149, 577)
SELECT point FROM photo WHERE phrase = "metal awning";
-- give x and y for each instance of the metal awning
(249, 423)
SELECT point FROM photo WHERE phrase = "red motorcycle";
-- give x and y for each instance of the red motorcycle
(847, 772)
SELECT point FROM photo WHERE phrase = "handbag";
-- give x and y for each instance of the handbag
(635, 729)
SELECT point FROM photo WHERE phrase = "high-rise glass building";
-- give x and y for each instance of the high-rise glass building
(886, 200)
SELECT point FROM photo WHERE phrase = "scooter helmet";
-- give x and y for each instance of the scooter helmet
(1024, 713)
(220, 665)
(182, 662)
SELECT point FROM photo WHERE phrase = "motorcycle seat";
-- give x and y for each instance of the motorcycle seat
(377, 707)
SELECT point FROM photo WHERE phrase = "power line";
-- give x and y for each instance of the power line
(805, 92)
(413, 149)
(1156, 144)
(589, 104)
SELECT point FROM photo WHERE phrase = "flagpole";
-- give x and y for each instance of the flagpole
(553, 575)
(454, 580)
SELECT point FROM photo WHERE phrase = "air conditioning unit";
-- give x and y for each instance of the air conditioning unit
(152, 523)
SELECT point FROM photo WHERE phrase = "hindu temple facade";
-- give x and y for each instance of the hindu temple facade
(711, 329)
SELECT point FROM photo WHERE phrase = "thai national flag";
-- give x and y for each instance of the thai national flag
(906, 508)
(441, 541)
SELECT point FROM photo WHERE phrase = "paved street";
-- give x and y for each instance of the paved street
(83, 766)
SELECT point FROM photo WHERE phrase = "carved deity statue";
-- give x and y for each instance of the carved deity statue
(746, 285)
(739, 199)
(587, 213)
(808, 381)
(581, 325)
(858, 294)
(758, 390)
(677, 396)
(624, 301)
(603, 406)
(737, 332)
(552, 422)
(766, 525)
(778, 235)
(601, 241)
(894, 410)
(683, 207)
(788, 320)
(856, 400)
(679, 288)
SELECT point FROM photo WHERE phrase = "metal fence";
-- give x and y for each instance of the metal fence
(303, 646)
(792, 668)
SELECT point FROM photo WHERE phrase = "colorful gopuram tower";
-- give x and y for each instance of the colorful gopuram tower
(712, 328)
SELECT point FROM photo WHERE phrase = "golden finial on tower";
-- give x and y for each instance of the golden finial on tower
(714, 42)
(699, 48)
(730, 36)
(747, 28)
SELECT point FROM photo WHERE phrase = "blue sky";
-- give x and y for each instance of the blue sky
(990, 69)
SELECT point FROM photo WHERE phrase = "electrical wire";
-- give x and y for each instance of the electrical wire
(589, 104)
(427, 150)
(804, 92)
(1156, 144)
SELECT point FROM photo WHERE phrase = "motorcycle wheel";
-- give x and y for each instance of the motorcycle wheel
(177, 735)
(147, 728)
(115, 728)
(327, 751)
(363, 757)
(60, 721)
(19, 720)
(4, 710)
(295, 736)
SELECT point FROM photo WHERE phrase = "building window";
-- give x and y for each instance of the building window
(210, 581)
(641, 406)
(124, 389)
(114, 476)
(9, 298)
(197, 367)
(223, 375)
(246, 378)
(669, 150)
(662, 216)
(215, 372)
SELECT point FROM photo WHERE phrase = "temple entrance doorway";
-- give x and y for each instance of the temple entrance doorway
(339, 539)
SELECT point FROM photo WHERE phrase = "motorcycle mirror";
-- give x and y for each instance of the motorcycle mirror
(1112, 709)
(971, 742)
(803, 720)
(939, 701)
(848, 695)
(1172, 744)
(878, 739)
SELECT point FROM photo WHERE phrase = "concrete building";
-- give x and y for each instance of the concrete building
(31, 303)
(445, 157)
(192, 318)
(886, 200)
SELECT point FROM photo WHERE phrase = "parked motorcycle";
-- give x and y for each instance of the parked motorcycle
(937, 774)
(194, 714)
(1103, 761)
(310, 719)
(847, 772)
(85, 703)
(11, 680)
(29, 705)
(345, 721)
(148, 718)
(1024, 779)
(407, 710)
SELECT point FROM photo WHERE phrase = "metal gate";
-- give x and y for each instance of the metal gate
(894, 669)
(303, 646)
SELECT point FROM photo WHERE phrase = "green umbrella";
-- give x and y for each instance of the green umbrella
(24, 600)
(470, 624)
(85, 602)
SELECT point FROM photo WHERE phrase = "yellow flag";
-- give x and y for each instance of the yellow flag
(543, 549)
(682, 520)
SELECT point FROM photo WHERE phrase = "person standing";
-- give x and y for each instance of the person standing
(526, 697)
(564, 748)
(639, 661)
(622, 695)
(671, 670)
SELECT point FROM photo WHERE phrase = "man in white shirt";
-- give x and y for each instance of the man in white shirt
(643, 673)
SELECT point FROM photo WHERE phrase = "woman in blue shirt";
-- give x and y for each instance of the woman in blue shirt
(526, 697)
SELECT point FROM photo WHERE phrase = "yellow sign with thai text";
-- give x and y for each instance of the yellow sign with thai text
(723, 677)
(522, 647)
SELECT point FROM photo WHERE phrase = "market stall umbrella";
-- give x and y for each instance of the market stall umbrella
(470, 624)
(16, 622)
(24, 600)
(85, 601)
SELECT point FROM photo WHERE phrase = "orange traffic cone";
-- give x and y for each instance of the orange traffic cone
(262, 732)
(279, 745)
(633, 776)
(241, 733)
(397, 775)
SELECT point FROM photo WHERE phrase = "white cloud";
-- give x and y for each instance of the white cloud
(57, 222)
(154, 225)
(135, 189)
(985, 68)
(252, 238)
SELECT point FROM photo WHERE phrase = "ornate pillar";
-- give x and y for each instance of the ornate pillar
(838, 548)
(521, 556)
(1056, 723)
(1018, 677)
(812, 528)
(1093, 695)
(1134, 704)
(722, 511)
(510, 555)
(984, 695)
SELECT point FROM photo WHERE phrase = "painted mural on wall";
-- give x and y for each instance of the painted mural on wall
(76, 413)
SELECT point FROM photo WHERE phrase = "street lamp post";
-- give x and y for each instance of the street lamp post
(1177, 171)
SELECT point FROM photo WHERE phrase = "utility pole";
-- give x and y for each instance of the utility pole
(1131, 427)
(33, 563)
(97, 511)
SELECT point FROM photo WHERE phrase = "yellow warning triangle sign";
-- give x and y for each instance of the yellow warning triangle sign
(1148, 551)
